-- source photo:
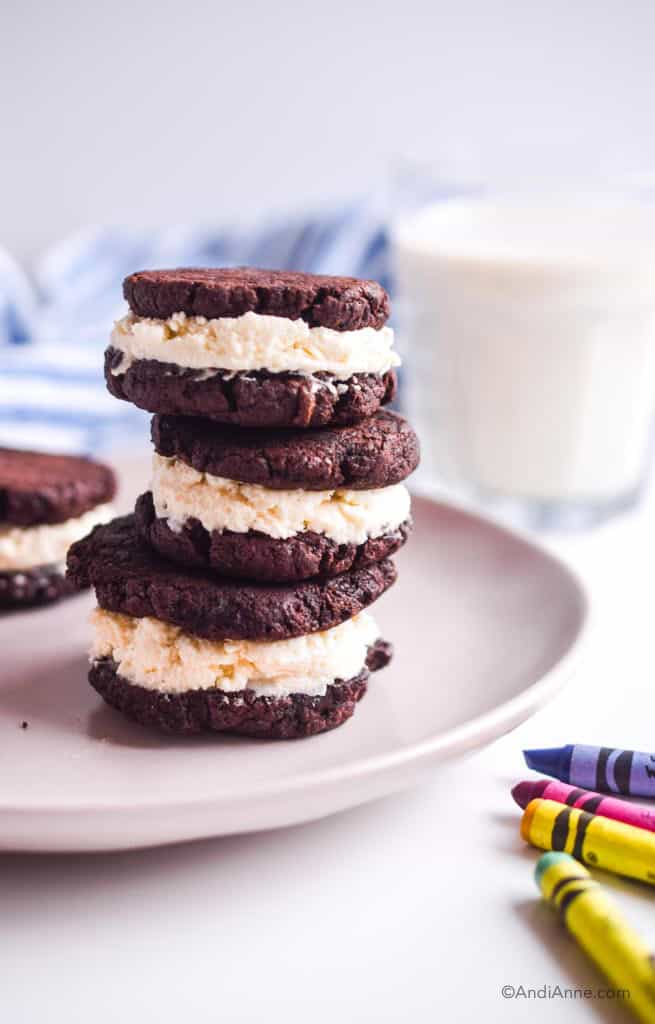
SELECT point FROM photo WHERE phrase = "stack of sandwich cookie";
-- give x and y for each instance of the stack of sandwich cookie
(46, 503)
(234, 599)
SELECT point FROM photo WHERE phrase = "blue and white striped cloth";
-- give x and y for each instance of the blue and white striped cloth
(55, 326)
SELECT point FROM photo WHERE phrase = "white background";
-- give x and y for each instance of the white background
(150, 111)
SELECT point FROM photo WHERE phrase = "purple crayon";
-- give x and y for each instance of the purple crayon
(606, 769)
(593, 803)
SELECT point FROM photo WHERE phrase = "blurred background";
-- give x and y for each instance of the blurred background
(151, 114)
(143, 134)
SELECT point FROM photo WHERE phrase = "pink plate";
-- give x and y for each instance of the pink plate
(486, 628)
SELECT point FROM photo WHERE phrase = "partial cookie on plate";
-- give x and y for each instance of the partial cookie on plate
(46, 503)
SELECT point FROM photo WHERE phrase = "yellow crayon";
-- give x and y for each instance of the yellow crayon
(600, 842)
(599, 928)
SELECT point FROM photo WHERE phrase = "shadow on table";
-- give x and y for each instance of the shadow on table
(216, 863)
(60, 696)
(579, 972)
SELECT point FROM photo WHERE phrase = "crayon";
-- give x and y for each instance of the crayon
(605, 769)
(594, 803)
(600, 929)
(611, 845)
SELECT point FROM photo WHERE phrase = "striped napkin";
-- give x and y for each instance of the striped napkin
(55, 325)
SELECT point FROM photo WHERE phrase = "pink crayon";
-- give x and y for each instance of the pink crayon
(593, 803)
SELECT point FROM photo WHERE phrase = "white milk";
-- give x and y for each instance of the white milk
(530, 333)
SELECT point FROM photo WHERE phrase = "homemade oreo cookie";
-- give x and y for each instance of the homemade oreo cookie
(187, 653)
(46, 503)
(278, 505)
(161, 677)
(255, 348)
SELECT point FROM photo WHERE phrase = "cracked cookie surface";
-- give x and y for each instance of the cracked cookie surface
(131, 578)
(339, 303)
(252, 398)
(378, 452)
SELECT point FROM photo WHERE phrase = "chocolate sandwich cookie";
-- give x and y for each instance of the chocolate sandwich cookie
(256, 556)
(161, 675)
(278, 505)
(255, 348)
(132, 579)
(37, 488)
(46, 502)
(291, 716)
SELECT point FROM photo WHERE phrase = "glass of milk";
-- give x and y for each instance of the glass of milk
(529, 329)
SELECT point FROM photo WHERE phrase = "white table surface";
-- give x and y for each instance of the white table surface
(417, 905)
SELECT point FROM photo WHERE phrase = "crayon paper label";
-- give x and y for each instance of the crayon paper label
(612, 770)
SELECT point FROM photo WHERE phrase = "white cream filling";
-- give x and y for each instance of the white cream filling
(26, 547)
(159, 656)
(253, 342)
(180, 493)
